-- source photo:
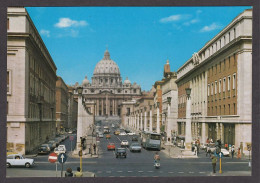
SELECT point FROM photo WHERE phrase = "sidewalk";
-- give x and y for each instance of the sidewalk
(231, 173)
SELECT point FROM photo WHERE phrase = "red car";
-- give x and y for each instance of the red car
(111, 146)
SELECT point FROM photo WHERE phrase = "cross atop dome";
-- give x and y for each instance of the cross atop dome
(106, 55)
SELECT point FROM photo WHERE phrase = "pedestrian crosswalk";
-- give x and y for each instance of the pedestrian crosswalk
(150, 171)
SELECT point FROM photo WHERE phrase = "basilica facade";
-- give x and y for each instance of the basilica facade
(107, 90)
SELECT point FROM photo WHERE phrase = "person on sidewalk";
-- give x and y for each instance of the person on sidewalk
(232, 151)
(78, 173)
(214, 163)
(208, 151)
(68, 173)
(238, 154)
(196, 150)
(94, 147)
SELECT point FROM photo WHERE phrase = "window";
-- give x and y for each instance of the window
(212, 70)
(224, 40)
(219, 43)
(7, 108)
(229, 37)
(208, 89)
(224, 64)
(234, 108)
(229, 109)
(219, 86)
(212, 49)
(216, 110)
(234, 81)
(216, 85)
(229, 78)
(224, 84)
(134, 90)
(220, 110)
(224, 109)
(216, 47)
(7, 23)
(234, 33)
(212, 86)
(8, 82)
(220, 67)
(234, 59)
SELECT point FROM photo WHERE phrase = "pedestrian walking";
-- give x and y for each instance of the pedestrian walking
(195, 150)
(232, 151)
(238, 154)
(208, 151)
(78, 173)
(68, 173)
(94, 147)
(214, 163)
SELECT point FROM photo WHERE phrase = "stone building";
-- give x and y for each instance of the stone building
(31, 81)
(107, 90)
(220, 78)
(62, 99)
(72, 108)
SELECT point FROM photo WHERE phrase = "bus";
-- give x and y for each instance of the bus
(151, 140)
(106, 129)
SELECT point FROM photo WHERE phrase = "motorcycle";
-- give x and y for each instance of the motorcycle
(157, 164)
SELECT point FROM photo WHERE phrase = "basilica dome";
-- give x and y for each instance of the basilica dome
(106, 66)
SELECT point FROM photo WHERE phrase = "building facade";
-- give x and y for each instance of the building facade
(107, 90)
(31, 81)
(62, 99)
(72, 108)
(220, 78)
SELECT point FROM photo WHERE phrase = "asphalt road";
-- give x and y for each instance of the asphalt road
(135, 165)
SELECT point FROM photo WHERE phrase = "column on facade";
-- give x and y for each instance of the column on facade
(141, 120)
(97, 107)
(196, 130)
(217, 129)
(116, 112)
(158, 120)
(102, 107)
(145, 121)
(151, 121)
(138, 121)
(169, 136)
(135, 125)
(221, 132)
(203, 133)
(113, 107)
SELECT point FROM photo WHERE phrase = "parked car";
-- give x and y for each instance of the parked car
(134, 138)
(135, 147)
(117, 132)
(47, 146)
(111, 146)
(122, 133)
(127, 130)
(124, 143)
(100, 135)
(59, 150)
(120, 152)
(18, 160)
(63, 147)
(225, 152)
(108, 136)
(43, 150)
(131, 133)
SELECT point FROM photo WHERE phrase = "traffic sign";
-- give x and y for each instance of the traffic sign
(62, 158)
(71, 138)
(52, 157)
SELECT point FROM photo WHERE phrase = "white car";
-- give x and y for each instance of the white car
(100, 135)
(225, 152)
(18, 160)
(131, 133)
(124, 143)
(62, 147)
(59, 150)
(122, 133)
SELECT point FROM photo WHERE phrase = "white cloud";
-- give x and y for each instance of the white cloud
(45, 32)
(211, 27)
(67, 22)
(171, 18)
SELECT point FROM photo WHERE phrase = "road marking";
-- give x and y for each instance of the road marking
(121, 176)
(108, 171)
(155, 176)
(72, 162)
(118, 139)
(140, 171)
(150, 171)
(129, 171)
(191, 172)
(202, 172)
(236, 162)
(170, 172)
(119, 171)
(180, 172)
(111, 176)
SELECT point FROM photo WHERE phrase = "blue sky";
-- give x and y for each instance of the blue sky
(139, 39)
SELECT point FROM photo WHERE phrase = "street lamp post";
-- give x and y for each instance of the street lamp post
(188, 138)
(168, 130)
